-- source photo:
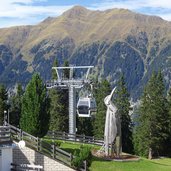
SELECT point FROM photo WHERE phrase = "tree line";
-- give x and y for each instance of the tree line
(148, 133)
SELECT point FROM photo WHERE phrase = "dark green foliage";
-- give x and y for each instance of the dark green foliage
(15, 108)
(54, 74)
(66, 71)
(3, 105)
(121, 100)
(102, 90)
(34, 113)
(151, 130)
(128, 56)
(85, 126)
(167, 146)
(58, 110)
(58, 106)
(82, 155)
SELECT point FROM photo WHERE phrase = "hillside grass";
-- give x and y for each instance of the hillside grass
(162, 164)
(141, 165)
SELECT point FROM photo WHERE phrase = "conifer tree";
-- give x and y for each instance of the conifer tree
(121, 100)
(58, 106)
(15, 109)
(58, 121)
(66, 71)
(167, 143)
(85, 126)
(54, 74)
(151, 131)
(103, 89)
(3, 105)
(34, 112)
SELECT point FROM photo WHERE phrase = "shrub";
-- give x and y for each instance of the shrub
(83, 154)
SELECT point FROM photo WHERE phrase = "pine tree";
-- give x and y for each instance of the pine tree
(15, 109)
(121, 100)
(58, 121)
(85, 126)
(58, 106)
(151, 131)
(66, 71)
(34, 113)
(103, 89)
(3, 104)
(167, 143)
(54, 74)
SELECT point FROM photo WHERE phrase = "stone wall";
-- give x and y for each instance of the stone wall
(29, 156)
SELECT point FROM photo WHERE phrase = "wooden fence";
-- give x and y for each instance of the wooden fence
(5, 135)
(74, 137)
(18, 167)
(49, 149)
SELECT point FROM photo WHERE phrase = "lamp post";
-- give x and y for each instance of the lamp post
(5, 117)
(8, 115)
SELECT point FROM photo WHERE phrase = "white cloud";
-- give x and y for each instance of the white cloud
(147, 5)
(132, 4)
(20, 12)
(12, 8)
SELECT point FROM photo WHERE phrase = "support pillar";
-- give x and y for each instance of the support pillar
(72, 110)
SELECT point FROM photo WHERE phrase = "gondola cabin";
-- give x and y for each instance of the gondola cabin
(86, 107)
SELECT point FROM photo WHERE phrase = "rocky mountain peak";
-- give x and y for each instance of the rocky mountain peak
(76, 11)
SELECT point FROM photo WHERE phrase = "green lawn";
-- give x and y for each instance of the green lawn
(101, 165)
(142, 165)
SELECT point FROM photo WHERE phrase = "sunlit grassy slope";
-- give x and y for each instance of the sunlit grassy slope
(163, 164)
(142, 165)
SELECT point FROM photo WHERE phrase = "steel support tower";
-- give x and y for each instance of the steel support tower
(72, 84)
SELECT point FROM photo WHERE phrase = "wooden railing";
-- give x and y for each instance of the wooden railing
(74, 137)
(26, 167)
(49, 149)
(5, 135)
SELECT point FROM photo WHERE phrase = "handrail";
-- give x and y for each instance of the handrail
(16, 167)
(75, 137)
(46, 148)
(5, 135)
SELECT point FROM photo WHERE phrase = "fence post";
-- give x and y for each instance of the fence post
(64, 136)
(93, 140)
(85, 165)
(37, 143)
(53, 150)
(40, 144)
(53, 134)
(75, 137)
(83, 138)
(71, 157)
(20, 135)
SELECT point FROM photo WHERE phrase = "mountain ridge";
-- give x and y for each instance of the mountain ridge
(115, 41)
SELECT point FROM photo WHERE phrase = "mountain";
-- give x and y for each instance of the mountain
(115, 41)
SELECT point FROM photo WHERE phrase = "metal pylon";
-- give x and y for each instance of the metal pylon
(72, 84)
(72, 110)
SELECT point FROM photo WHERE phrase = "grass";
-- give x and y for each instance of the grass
(163, 164)
(142, 165)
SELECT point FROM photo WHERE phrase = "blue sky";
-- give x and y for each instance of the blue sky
(24, 12)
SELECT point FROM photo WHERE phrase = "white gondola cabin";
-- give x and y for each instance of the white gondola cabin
(86, 107)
